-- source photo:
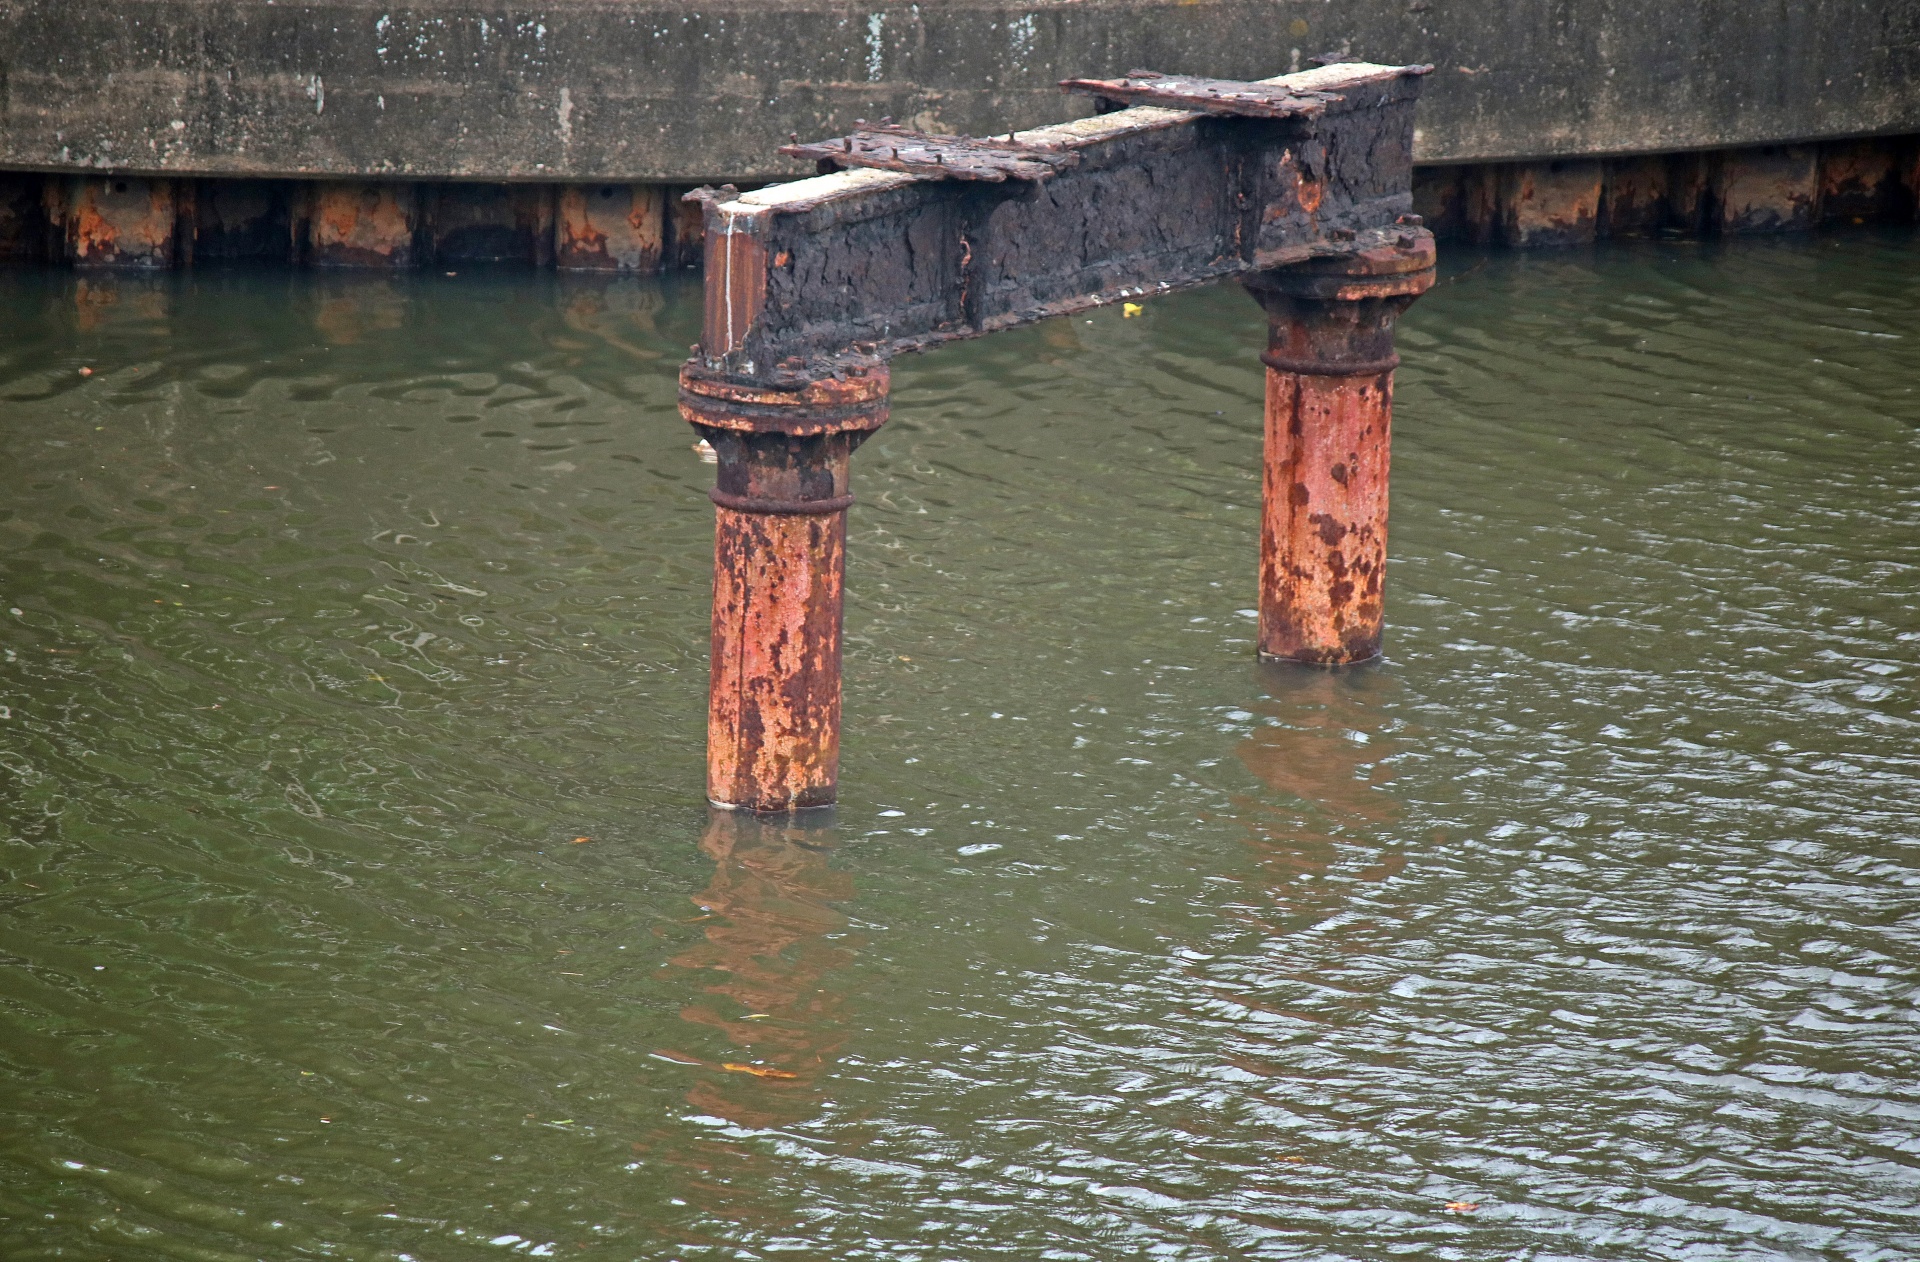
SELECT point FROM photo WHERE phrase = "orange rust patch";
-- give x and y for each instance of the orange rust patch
(610, 227)
(362, 225)
(773, 717)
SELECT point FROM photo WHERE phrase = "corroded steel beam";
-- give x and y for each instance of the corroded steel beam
(1301, 184)
(864, 264)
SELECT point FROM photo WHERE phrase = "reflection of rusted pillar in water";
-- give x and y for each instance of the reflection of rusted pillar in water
(770, 943)
(1330, 361)
(779, 570)
(1328, 755)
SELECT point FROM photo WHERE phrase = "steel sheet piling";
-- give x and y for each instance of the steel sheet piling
(1329, 419)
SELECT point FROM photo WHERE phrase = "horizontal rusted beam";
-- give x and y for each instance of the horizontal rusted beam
(806, 278)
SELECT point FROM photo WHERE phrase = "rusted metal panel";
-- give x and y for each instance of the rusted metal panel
(1690, 191)
(736, 266)
(488, 223)
(1699, 193)
(352, 224)
(1480, 204)
(115, 221)
(610, 227)
(1439, 198)
(1635, 201)
(1861, 181)
(1775, 188)
(1549, 203)
(1329, 404)
(940, 259)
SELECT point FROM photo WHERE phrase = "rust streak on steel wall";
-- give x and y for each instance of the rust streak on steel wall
(1775, 188)
(1860, 180)
(115, 221)
(611, 227)
(1329, 418)
(361, 225)
(1550, 203)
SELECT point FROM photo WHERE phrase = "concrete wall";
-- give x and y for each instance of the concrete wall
(689, 90)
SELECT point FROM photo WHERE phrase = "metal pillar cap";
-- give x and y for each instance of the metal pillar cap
(1386, 263)
(854, 400)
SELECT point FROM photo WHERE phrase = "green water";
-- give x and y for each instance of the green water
(337, 612)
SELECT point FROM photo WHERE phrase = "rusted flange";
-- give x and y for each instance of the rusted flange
(1314, 367)
(853, 401)
(780, 507)
(1389, 263)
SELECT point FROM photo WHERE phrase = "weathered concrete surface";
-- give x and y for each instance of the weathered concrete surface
(595, 90)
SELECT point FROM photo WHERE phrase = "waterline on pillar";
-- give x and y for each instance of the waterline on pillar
(818, 814)
(1376, 658)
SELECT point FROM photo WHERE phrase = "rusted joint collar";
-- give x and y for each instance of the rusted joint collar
(1393, 262)
(854, 400)
(786, 508)
(1329, 368)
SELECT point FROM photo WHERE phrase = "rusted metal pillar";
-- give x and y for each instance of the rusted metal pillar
(1330, 361)
(779, 572)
